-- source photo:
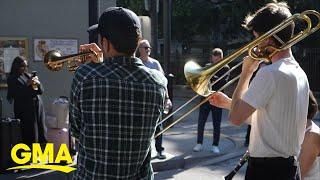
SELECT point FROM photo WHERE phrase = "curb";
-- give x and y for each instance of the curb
(187, 161)
(236, 153)
(179, 162)
(174, 163)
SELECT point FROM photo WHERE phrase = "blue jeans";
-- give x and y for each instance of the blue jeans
(158, 139)
(216, 121)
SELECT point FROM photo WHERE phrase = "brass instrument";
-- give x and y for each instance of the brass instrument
(54, 60)
(241, 162)
(199, 78)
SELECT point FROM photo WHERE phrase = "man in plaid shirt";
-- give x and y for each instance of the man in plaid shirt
(115, 105)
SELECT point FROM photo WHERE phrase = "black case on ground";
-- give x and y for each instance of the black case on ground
(10, 135)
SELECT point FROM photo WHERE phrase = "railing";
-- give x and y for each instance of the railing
(309, 60)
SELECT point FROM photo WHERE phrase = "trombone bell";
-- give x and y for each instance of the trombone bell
(198, 80)
(50, 58)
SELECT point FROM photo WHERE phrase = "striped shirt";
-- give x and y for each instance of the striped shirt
(280, 93)
(114, 108)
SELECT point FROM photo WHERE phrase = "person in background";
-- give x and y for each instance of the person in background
(276, 100)
(206, 108)
(24, 90)
(115, 102)
(144, 52)
(309, 157)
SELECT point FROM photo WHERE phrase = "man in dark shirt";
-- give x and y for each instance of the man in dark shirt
(115, 104)
(216, 56)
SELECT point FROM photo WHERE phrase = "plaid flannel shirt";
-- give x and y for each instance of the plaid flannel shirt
(114, 108)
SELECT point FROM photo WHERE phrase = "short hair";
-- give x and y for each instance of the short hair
(126, 45)
(217, 52)
(313, 106)
(143, 41)
(267, 18)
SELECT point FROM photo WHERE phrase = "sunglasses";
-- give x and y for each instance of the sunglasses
(215, 54)
(146, 48)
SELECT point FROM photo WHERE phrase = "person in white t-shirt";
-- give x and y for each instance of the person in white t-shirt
(144, 50)
(309, 157)
(276, 100)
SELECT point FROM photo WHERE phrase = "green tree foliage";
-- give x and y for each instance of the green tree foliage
(193, 17)
(135, 5)
(202, 17)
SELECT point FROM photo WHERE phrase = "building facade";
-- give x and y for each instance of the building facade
(46, 19)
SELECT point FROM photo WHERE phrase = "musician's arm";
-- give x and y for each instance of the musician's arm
(246, 100)
(308, 153)
(240, 111)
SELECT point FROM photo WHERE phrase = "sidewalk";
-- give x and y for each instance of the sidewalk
(179, 140)
(181, 162)
(215, 171)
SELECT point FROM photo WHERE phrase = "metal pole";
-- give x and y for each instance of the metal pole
(166, 34)
(167, 38)
(166, 46)
(154, 28)
(93, 19)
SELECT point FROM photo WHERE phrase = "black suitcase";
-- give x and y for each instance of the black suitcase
(10, 135)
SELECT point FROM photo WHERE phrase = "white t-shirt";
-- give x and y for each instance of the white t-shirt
(153, 64)
(280, 94)
(314, 172)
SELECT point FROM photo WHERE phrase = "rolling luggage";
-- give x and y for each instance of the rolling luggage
(58, 137)
(60, 114)
(58, 123)
(10, 135)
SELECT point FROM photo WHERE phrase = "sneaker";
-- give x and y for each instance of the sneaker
(215, 149)
(161, 156)
(197, 148)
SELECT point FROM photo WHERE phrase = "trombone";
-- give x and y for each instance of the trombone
(199, 78)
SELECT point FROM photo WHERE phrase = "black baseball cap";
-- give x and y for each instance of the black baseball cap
(116, 23)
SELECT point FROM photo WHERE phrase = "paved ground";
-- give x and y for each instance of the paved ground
(209, 172)
(204, 165)
(183, 163)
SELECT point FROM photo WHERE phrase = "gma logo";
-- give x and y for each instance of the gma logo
(40, 159)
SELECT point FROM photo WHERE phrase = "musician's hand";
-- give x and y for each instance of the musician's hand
(249, 65)
(98, 58)
(220, 100)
